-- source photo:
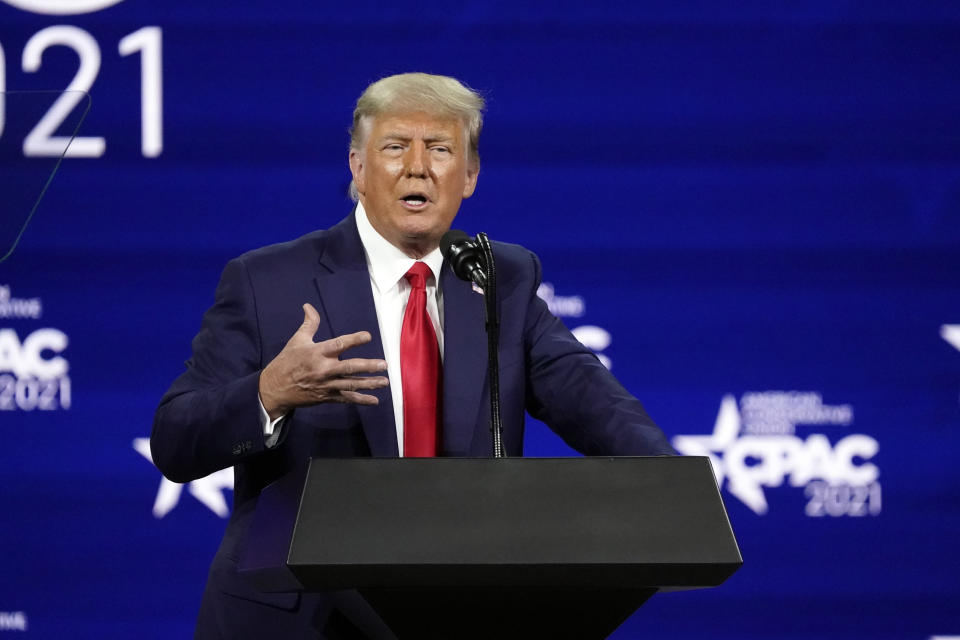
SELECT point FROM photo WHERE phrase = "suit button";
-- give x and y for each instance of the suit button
(237, 449)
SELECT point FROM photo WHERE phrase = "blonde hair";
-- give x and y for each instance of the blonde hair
(413, 92)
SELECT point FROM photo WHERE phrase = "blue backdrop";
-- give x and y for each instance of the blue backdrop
(751, 210)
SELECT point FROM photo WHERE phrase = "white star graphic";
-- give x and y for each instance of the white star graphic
(726, 428)
(208, 490)
(951, 333)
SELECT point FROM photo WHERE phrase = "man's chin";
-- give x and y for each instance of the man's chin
(421, 241)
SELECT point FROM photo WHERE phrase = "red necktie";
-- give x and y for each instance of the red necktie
(420, 371)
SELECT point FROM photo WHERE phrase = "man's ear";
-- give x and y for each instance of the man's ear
(357, 169)
(473, 172)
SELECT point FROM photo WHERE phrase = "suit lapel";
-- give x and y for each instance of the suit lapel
(464, 362)
(343, 284)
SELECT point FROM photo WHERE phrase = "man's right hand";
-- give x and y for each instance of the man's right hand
(307, 372)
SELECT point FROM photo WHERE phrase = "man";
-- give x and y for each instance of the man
(290, 360)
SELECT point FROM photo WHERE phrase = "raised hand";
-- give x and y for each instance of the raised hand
(306, 372)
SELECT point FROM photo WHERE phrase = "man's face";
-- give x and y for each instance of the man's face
(411, 173)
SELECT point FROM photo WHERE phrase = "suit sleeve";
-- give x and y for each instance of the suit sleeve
(570, 390)
(209, 419)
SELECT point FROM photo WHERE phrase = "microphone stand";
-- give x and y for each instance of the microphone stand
(493, 343)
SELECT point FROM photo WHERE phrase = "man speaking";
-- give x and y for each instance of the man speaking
(358, 340)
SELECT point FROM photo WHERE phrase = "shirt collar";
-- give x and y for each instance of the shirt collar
(386, 263)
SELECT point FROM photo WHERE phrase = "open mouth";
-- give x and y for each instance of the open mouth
(414, 200)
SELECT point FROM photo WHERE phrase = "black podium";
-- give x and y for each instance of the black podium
(495, 548)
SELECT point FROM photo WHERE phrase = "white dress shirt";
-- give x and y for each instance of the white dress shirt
(387, 266)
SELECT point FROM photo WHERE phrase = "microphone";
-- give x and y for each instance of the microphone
(472, 260)
(465, 256)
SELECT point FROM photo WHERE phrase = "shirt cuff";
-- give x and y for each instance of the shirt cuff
(271, 428)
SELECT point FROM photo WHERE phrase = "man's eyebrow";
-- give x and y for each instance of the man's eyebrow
(439, 137)
(396, 135)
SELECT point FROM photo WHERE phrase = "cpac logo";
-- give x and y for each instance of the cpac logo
(29, 378)
(62, 7)
(759, 448)
(27, 359)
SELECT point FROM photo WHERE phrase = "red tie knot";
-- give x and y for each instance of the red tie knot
(417, 275)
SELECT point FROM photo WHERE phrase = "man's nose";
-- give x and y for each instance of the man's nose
(418, 161)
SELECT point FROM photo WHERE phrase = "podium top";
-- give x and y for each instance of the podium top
(613, 522)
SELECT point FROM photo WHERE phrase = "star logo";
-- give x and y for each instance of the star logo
(951, 333)
(208, 490)
(726, 428)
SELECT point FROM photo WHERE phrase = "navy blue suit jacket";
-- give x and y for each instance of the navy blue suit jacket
(209, 419)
